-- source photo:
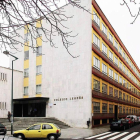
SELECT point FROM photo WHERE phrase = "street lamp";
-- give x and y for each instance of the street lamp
(7, 53)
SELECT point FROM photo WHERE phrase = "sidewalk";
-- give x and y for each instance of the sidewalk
(82, 133)
(71, 133)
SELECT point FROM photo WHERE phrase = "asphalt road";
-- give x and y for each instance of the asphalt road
(129, 134)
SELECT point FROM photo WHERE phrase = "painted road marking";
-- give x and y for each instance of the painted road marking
(115, 137)
(108, 135)
(129, 136)
(98, 135)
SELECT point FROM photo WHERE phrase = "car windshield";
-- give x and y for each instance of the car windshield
(119, 121)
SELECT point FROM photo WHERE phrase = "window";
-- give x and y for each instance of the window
(26, 55)
(120, 109)
(120, 50)
(104, 29)
(110, 108)
(124, 55)
(25, 90)
(110, 37)
(96, 85)
(120, 65)
(46, 126)
(26, 72)
(124, 110)
(116, 93)
(123, 96)
(35, 127)
(96, 41)
(110, 55)
(104, 68)
(104, 49)
(96, 107)
(96, 63)
(96, 18)
(123, 68)
(38, 69)
(120, 94)
(104, 88)
(116, 77)
(116, 45)
(123, 82)
(116, 61)
(39, 50)
(110, 73)
(26, 37)
(120, 80)
(104, 108)
(110, 91)
(38, 88)
(39, 32)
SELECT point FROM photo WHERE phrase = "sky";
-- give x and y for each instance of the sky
(121, 20)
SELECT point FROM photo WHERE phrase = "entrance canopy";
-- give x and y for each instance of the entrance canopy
(30, 100)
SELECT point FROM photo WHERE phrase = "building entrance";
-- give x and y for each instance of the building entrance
(29, 107)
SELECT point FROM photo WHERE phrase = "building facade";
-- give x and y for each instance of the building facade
(104, 80)
(115, 75)
(5, 89)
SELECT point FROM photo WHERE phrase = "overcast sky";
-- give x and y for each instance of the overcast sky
(120, 19)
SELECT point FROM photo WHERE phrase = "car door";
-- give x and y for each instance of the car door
(46, 129)
(34, 131)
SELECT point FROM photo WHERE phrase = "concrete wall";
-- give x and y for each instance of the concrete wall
(5, 89)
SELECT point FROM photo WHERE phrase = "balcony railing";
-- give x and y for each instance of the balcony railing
(99, 95)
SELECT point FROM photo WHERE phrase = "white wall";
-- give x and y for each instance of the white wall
(5, 89)
(67, 77)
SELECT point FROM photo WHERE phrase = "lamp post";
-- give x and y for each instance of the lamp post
(7, 53)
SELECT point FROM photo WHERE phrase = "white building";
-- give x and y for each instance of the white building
(5, 89)
(55, 83)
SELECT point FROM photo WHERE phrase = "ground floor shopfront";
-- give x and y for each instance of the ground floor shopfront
(30, 107)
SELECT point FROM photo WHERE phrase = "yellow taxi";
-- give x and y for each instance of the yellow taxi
(42, 130)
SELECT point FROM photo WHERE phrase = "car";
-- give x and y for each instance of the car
(134, 118)
(138, 117)
(42, 130)
(121, 124)
(131, 123)
(3, 129)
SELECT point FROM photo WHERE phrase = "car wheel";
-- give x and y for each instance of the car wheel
(20, 136)
(52, 137)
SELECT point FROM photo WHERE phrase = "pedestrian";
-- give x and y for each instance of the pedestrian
(9, 115)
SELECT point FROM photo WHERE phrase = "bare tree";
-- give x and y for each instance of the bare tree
(128, 5)
(17, 14)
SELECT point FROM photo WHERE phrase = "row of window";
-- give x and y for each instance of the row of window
(3, 105)
(38, 52)
(117, 78)
(117, 93)
(3, 76)
(96, 108)
(38, 71)
(116, 45)
(96, 41)
(38, 34)
(38, 90)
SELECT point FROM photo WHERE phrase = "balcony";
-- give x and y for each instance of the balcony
(102, 116)
(99, 95)
(111, 81)
(95, 27)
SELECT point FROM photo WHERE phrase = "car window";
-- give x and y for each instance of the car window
(56, 126)
(1, 125)
(35, 127)
(46, 126)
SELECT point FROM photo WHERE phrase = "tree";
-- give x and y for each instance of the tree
(130, 3)
(17, 14)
